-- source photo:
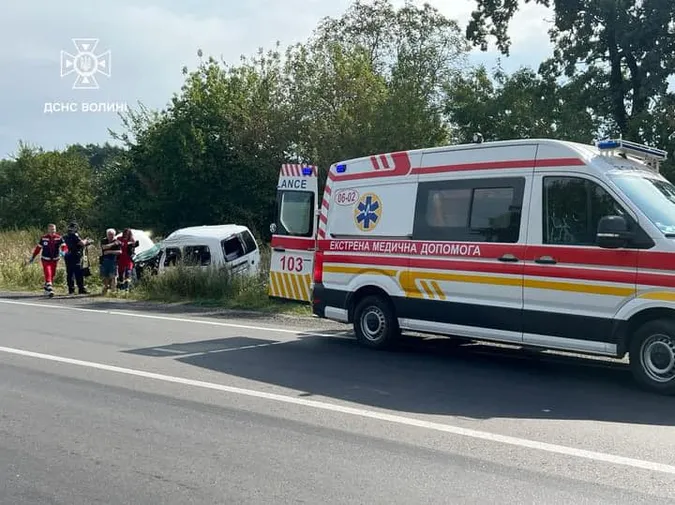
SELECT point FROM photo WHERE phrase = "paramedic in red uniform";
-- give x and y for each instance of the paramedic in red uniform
(53, 247)
(124, 263)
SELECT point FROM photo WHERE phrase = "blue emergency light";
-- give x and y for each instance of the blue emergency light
(608, 144)
(633, 148)
(651, 156)
(340, 169)
(307, 171)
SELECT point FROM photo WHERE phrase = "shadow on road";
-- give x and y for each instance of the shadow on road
(437, 376)
(429, 376)
(217, 345)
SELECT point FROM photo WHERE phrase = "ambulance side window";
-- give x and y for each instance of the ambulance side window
(295, 213)
(479, 210)
(572, 208)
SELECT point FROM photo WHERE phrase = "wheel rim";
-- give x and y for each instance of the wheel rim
(658, 358)
(373, 324)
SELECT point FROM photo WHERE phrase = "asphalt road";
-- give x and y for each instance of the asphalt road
(116, 404)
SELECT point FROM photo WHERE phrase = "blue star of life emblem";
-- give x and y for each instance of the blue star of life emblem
(368, 212)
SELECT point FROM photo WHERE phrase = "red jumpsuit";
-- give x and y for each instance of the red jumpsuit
(124, 263)
(51, 246)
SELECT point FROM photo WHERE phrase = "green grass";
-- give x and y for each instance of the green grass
(213, 288)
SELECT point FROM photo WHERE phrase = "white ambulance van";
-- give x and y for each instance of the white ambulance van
(537, 243)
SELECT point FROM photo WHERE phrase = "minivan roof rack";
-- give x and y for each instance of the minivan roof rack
(651, 156)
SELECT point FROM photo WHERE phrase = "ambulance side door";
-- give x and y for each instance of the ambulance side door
(294, 233)
(573, 287)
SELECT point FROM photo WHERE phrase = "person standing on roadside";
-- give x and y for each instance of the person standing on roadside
(53, 247)
(111, 248)
(73, 259)
(125, 264)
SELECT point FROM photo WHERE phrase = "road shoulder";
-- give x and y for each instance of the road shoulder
(179, 309)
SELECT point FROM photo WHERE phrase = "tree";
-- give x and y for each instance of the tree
(624, 48)
(41, 187)
(335, 98)
(521, 105)
(100, 157)
(413, 52)
(661, 131)
(213, 154)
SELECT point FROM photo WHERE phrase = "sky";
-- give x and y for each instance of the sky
(149, 42)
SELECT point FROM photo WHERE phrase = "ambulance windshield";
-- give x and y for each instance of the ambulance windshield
(655, 197)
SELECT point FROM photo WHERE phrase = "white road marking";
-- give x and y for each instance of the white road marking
(364, 413)
(180, 319)
(216, 351)
(244, 347)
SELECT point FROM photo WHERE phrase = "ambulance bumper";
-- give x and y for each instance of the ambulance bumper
(319, 300)
(329, 303)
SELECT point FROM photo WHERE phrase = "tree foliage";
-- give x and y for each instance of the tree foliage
(623, 48)
(40, 187)
(371, 80)
(521, 105)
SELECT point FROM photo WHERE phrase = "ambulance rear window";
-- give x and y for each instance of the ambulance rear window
(295, 212)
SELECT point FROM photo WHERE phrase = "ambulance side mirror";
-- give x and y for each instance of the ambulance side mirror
(613, 232)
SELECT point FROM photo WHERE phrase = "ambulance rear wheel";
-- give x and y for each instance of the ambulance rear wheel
(375, 323)
(652, 356)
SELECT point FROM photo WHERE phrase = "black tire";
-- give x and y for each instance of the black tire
(375, 323)
(652, 356)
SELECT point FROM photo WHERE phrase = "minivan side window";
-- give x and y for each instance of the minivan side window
(249, 242)
(172, 256)
(197, 255)
(479, 210)
(233, 248)
(572, 208)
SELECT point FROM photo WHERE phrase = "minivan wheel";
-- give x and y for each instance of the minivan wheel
(375, 323)
(652, 356)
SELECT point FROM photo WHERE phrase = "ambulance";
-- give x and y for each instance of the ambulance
(538, 243)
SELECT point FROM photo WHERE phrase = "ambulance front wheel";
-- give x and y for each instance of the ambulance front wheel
(375, 322)
(652, 356)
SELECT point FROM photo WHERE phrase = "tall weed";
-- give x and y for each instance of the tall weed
(16, 247)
